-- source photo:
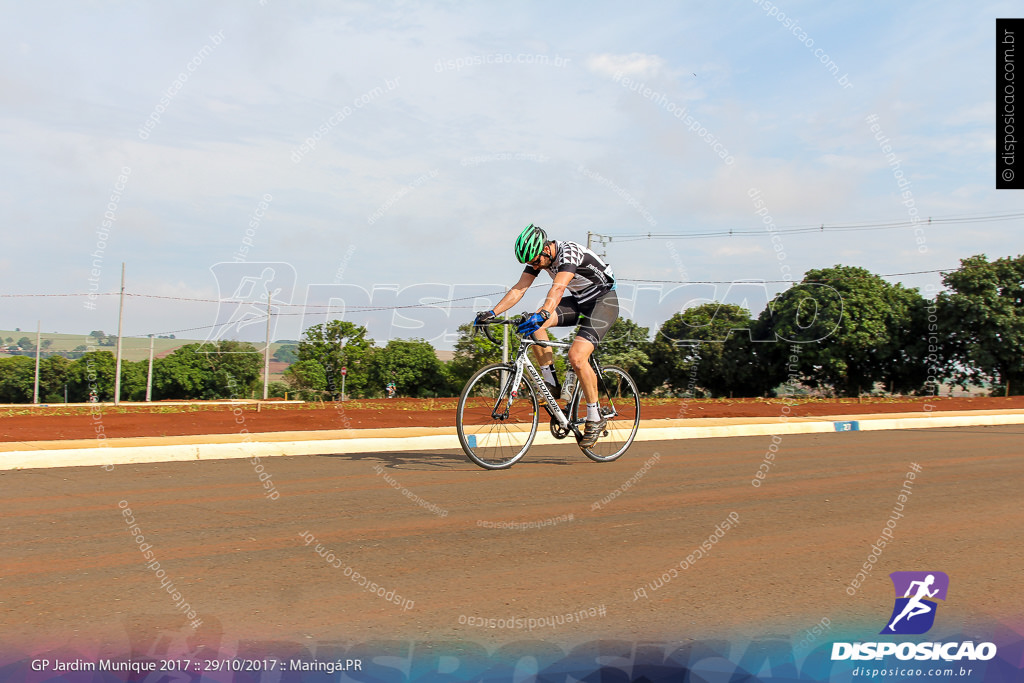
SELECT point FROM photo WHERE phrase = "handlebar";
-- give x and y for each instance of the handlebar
(486, 327)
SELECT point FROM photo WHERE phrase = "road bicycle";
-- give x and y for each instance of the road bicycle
(499, 411)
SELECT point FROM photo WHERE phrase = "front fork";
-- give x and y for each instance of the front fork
(539, 385)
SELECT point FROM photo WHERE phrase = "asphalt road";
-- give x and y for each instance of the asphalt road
(450, 551)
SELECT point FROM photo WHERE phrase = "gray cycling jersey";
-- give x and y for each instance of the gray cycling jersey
(592, 277)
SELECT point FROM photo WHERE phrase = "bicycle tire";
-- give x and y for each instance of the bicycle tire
(491, 442)
(616, 390)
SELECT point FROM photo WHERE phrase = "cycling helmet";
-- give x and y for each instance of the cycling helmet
(529, 243)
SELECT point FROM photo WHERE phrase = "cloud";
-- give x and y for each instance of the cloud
(635, 64)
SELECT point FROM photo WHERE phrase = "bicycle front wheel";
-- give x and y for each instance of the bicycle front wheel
(619, 400)
(495, 421)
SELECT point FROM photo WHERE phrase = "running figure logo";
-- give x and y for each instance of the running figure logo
(914, 611)
(245, 290)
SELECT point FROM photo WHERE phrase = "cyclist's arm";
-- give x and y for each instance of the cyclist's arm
(561, 281)
(514, 295)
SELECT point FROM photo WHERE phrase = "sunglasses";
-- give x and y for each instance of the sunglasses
(535, 263)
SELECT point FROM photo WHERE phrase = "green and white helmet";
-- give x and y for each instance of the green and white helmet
(529, 243)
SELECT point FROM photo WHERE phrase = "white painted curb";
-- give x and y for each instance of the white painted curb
(48, 454)
(803, 425)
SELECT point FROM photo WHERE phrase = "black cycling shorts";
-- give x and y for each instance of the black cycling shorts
(597, 315)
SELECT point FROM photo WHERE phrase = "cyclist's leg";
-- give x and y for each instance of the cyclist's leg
(579, 359)
(601, 314)
(567, 314)
(542, 354)
(563, 315)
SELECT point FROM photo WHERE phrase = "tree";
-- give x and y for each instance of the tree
(287, 353)
(915, 363)
(180, 375)
(53, 375)
(626, 345)
(98, 334)
(412, 365)
(848, 327)
(473, 350)
(93, 373)
(226, 369)
(981, 321)
(133, 380)
(25, 344)
(46, 343)
(710, 347)
(277, 390)
(236, 369)
(336, 345)
(17, 378)
(306, 377)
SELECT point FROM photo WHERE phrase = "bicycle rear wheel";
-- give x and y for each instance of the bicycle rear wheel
(620, 401)
(495, 427)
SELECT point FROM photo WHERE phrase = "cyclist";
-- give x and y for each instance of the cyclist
(591, 296)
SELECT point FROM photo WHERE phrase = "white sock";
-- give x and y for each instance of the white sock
(592, 413)
(548, 371)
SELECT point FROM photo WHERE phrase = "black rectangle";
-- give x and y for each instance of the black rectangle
(1009, 115)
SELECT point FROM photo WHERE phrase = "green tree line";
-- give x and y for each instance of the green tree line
(844, 331)
(227, 369)
(841, 330)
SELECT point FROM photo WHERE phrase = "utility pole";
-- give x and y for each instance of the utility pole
(601, 239)
(149, 376)
(120, 330)
(266, 354)
(504, 344)
(35, 389)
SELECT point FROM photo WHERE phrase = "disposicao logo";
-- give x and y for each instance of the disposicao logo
(914, 611)
(913, 614)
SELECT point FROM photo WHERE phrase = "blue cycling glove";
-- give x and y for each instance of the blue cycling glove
(483, 317)
(530, 325)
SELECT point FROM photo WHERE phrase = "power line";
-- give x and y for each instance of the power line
(244, 301)
(15, 296)
(372, 309)
(822, 228)
(434, 304)
(794, 282)
(306, 309)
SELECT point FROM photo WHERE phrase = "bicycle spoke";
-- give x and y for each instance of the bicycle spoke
(494, 439)
(618, 399)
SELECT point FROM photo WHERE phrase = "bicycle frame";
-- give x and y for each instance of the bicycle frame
(525, 367)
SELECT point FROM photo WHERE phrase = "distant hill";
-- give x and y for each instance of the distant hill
(133, 348)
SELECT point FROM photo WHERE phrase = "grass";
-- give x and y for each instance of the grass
(132, 348)
(155, 408)
(406, 404)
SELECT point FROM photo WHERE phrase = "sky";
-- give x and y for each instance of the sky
(355, 155)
